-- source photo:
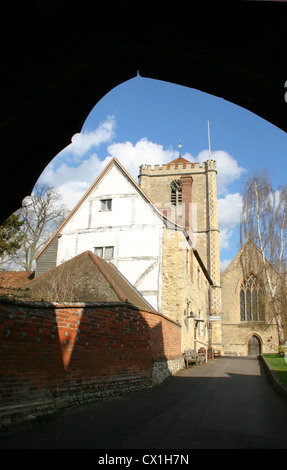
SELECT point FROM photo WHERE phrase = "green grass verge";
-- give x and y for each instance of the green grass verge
(279, 365)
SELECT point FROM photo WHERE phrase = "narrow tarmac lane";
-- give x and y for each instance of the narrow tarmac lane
(228, 403)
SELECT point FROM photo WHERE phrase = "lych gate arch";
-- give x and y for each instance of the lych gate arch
(64, 59)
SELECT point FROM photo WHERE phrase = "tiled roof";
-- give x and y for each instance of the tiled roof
(15, 278)
(85, 278)
(179, 160)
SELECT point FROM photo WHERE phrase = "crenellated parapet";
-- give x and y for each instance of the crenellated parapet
(176, 167)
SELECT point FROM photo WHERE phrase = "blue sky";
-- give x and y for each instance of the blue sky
(142, 120)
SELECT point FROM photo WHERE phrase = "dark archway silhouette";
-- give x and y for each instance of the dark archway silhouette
(58, 60)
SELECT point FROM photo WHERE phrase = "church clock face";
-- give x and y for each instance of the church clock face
(176, 185)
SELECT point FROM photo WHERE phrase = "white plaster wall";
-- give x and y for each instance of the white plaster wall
(80, 218)
(131, 227)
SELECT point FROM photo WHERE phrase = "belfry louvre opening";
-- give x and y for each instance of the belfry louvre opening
(175, 192)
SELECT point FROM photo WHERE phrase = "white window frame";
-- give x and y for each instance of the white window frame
(104, 252)
(106, 205)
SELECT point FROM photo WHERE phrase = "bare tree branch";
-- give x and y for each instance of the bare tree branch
(41, 213)
(263, 222)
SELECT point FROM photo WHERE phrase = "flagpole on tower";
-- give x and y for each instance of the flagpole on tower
(209, 140)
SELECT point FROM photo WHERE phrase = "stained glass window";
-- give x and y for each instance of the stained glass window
(251, 302)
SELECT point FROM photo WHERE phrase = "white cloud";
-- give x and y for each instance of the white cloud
(73, 170)
(71, 181)
(143, 152)
(146, 152)
(229, 209)
(227, 167)
(82, 143)
(64, 173)
(224, 238)
(72, 192)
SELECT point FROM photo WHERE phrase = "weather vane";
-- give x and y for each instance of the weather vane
(179, 146)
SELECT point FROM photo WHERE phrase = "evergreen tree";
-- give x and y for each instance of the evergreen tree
(11, 237)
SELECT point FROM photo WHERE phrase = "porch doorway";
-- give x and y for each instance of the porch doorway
(254, 346)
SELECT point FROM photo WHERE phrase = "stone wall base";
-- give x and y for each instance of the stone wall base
(31, 410)
(161, 370)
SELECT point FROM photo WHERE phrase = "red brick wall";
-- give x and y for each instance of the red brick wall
(165, 337)
(73, 354)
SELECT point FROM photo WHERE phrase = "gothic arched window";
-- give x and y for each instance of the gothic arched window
(251, 301)
(175, 192)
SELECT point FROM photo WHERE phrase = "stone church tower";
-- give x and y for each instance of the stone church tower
(186, 193)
